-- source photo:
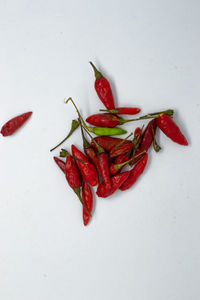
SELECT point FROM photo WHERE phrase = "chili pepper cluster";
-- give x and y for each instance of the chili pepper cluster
(104, 156)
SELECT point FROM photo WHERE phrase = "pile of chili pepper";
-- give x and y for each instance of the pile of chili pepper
(101, 165)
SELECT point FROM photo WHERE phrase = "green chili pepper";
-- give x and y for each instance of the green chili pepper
(98, 130)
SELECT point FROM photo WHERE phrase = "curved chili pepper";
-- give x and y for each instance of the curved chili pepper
(117, 180)
(110, 120)
(123, 110)
(118, 160)
(15, 123)
(88, 201)
(88, 171)
(98, 130)
(135, 173)
(103, 89)
(107, 142)
(60, 163)
(170, 129)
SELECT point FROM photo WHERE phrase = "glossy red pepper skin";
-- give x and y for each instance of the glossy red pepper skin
(91, 154)
(170, 129)
(88, 201)
(60, 163)
(122, 149)
(107, 142)
(103, 168)
(71, 173)
(104, 120)
(118, 160)
(88, 171)
(117, 180)
(14, 124)
(135, 173)
(124, 110)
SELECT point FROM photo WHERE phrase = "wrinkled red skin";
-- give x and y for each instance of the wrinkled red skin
(60, 163)
(107, 142)
(103, 167)
(91, 154)
(170, 129)
(103, 120)
(14, 124)
(127, 110)
(117, 180)
(71, 173)
(135, 173)
(122, 149)
(137, 134)
(118, 160)
(103, 89)
(88, 201)
(147, 139)
(88, 171)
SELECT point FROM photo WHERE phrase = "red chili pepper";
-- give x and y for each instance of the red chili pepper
(104, 120)
(88, 149)
(138, 135)
(88, 171)
(103, 89)
(88, 201)
(135, 173)
(14, 124)
(107, 142)
(117, 180)
(123, 110)
(170, 129)
(60, 163)
(118, 160)
(122, 149)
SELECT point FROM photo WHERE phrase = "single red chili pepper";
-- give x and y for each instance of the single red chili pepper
(147, 139)
(88, 171)
(123, 110)
(118, 160)
(124, 148)
(88, 201)
(170, 129)
(107, 142)
(103, 89)
(109, 120)
(135, 173)
(14, 124)
(117, 180)
(102, 162)
(60, 163)
(73, 178)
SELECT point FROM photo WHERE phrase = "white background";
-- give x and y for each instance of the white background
(142, 244)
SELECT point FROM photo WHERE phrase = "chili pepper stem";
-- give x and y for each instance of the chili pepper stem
(120, 143)
(168, 112)
(119, 166)
(97, 74)
(99, 148)
(78, 193)
(65, 153)
(74, 126)
(156, 147)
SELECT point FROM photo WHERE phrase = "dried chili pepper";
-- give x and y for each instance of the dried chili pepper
(123, 110)
(60, 163)
(119, 160)
(124, 148)
(74, 126)
(88, 171)
(170, 129)
(107, 142)
(15, 123)
(117, 180)
(73, 178)
(88, 149)
(88, 201)
(103, 89)
(98, 130)
(110, 120)
(135, 173)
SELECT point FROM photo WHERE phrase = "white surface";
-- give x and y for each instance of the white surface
(142, 244)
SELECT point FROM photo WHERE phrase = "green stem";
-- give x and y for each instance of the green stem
(156, 147)
(78, 193)
(97, 74)
(74, 126)
(168, 112)
(99, 148)
(122, 142)
(86, 144)
(119, 166)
